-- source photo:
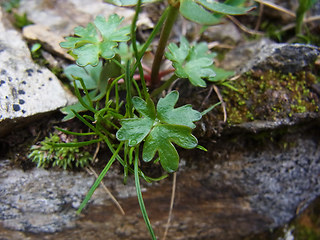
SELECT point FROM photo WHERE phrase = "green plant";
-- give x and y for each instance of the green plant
(8, 6)
(49, 153)
(304, 6)
(133, 125)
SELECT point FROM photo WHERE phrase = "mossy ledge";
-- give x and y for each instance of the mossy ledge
(270, 96)
(264, 96)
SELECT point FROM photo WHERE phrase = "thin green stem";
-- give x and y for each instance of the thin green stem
(74, 133)
(106, 140)
(135, 49)
(128, 81)
(112, 85)
(77, 144)
(154, 32)
(140, 198)
(166, 30)
(164, 86)
(77, 92)
(99, 179)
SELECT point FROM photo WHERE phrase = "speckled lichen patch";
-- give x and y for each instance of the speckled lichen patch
(270, 95)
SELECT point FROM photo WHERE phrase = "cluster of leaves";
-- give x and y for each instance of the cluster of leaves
(48, 154)
(134, 125)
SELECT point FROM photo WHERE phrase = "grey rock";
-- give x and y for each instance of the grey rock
(264, 55)
(39, 200)
(240, 55)
(278, 184)
(225, 33)
(235, 189)
(26, 89)
(284, 57)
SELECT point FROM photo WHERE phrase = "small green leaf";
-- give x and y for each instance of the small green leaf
(221, 74)
(35, 47)
(89, 74)
(192, 62)
(160, 129)
(196, 13)
(97, 40)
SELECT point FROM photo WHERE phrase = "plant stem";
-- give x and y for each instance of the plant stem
(164, 86)
(165, 33)
(135, 49)
(140, 199)
(128, 82)
(99, 179)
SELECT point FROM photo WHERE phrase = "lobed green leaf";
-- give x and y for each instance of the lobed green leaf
(98, 39)
(160, 129)
(192, 62)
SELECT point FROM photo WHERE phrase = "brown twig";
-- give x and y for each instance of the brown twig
(277, 7)
(174, 184)
(259, 17)
(223, 104)
(244, 28)
(96, 152)
(90, 170)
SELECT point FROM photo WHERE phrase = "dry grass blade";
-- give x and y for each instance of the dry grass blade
(174, 184)
(223, 104)
(259, 17)
(277, 7)
(244, 28)
(91, 171)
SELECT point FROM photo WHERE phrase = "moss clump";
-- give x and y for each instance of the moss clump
(270, 96)
(47, 154)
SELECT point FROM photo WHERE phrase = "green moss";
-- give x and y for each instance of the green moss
(270, 95)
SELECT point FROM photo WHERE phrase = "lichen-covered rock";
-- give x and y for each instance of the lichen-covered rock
(39, 200)
(265, 55)
(26, 89)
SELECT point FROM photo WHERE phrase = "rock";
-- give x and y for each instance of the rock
(50, 40)
(55, 20)
(245, 184)
(226, 33)
(26, 89)
(264, 55)
(243, 53)
(40, 201)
